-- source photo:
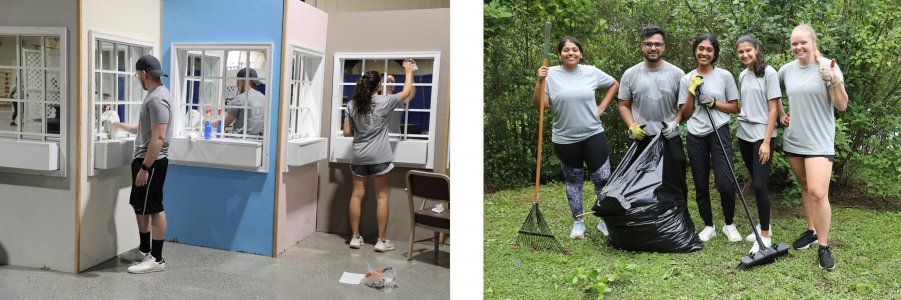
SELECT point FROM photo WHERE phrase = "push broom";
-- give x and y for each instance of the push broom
(765, 255)
(535, 232)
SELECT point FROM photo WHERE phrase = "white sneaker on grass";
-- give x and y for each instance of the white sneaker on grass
(751, 237)
(731, 233)
(602, 227)
(133, 255)
(383, 246)
(147, 266)
(356, 242)
(707, 233)
(578, 232)
(767, 242)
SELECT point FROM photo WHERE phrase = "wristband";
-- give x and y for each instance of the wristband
(145, 168)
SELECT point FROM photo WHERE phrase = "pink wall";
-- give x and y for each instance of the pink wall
(298, 187)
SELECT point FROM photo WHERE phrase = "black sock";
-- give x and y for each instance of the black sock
(157, 250)
(145, 242)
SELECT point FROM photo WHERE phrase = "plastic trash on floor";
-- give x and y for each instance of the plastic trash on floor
(644, 203)
(381, 279)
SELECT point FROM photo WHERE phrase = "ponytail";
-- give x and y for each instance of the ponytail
(760, 63)
(362, 99)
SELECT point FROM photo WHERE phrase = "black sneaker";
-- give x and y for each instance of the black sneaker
(13, 123)
(805, 240)
(824, 257)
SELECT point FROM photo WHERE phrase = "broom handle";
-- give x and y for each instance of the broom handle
(540, 132)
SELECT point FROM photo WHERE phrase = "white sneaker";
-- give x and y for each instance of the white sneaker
(383, 246)
(752, 238)
(578, 232)
(602, 227)
(731, 233)
(767, 242)
(133, 255)
(356, 242)
(148, 265)
(707, 233)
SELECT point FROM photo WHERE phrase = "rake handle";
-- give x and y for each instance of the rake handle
(540, 132)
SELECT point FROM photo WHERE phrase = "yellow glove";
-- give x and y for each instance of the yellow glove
(637, 132)
(695, 84)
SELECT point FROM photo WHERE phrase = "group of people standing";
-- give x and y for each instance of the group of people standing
(655, 97)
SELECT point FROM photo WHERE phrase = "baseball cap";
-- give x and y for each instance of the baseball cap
(248, 73)
(151, 65)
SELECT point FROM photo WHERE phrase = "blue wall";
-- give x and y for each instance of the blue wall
(218, 208)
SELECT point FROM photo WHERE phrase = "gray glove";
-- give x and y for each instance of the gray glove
(706, 100)
(670, 129)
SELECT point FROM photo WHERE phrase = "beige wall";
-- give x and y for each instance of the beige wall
(339, 6)
(428, 30)
(108, 225)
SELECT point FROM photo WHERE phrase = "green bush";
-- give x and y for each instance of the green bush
(863, 36)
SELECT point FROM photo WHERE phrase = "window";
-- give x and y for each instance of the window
(411, 125)
(305, 103)
(207, 86)
(33, 89)
(305, 145)
(116, 96)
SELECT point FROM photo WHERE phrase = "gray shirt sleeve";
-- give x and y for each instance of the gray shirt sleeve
(625, 85)
(772, 84)
(159, 111)
(683, 87)
(731, 88)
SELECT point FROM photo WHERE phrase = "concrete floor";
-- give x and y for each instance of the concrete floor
(309, 270)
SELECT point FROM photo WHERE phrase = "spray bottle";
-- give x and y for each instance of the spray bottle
(207, 128)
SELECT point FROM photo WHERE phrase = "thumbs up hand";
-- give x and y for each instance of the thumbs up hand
(829, 75)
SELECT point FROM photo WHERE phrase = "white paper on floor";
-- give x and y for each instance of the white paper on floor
(351, 278)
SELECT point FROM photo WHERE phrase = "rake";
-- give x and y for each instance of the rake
(535, 232)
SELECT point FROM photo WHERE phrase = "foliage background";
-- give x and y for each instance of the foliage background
(863, 36)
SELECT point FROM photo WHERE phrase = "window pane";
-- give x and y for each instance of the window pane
(377, 65)
(8, 50)
(423, 98)
(106, 56)
(194, 62)
(209, 94)
(236, 60)
(30, 116)
(52, 84)
(259, 63)
(51, 51)
(416, 122)
(7, 81)
(211, 65)
(108, 87)
(136, 53)
(352, 71)
(310, 66)
(121, 57)
(53, 115)
(97, 87)
(424, 72)
(137, 92)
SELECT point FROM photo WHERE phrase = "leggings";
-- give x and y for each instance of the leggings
(701, 150)
(759, 175)
(593, 153)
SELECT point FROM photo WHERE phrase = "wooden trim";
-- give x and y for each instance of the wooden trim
(78, 137)
(278, 138)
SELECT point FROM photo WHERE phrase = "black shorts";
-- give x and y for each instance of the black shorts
(148, 199)
(371, 170)
(831, 158)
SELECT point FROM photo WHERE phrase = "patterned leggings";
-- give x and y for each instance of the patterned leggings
(591, 152)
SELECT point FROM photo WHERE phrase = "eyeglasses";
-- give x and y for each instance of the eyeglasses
(653, 44)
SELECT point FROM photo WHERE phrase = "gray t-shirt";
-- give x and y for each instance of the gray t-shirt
(371, 144)
(719, 84)
(254, 101)
(653, 93)
(812, 129)
(156, 109)
(571, 95)
(756, 93)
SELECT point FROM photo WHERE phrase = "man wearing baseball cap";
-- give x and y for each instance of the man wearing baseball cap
(246, 111)
(149, 166)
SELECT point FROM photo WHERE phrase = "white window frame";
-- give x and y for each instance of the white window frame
(20, 140)
(337, 137)
(235, 141)
(305, 144)
(94, 37)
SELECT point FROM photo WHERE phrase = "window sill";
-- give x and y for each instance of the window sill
(408, 153)
(305, 151)
(217, 152)
(111, 154)
(29, 155)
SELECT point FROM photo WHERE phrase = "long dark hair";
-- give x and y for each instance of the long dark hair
(760, 63)
(367, 84)
(712, 39)
(574, 41)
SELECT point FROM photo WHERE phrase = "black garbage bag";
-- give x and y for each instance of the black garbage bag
(644, 203)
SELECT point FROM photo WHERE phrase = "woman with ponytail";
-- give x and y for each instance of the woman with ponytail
(368, 116)
(814, 87)
(759, 93)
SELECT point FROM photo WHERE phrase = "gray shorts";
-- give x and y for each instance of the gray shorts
(371, 170)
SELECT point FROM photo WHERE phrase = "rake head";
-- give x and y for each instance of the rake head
(765, 256)
(536, 234)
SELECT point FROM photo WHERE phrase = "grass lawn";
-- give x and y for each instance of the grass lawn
(865, 243)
